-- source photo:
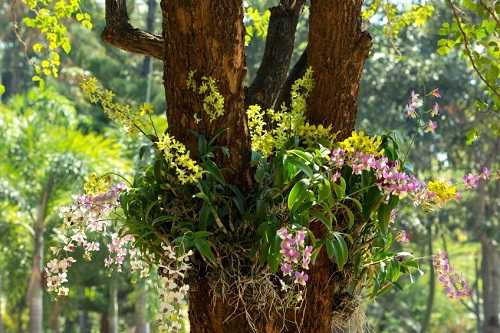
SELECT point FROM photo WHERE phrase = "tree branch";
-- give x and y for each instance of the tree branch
(298, 71)
(467, 49)
(277, 54)
(120, 33)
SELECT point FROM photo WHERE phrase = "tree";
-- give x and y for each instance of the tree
(209, 37)
(39, 171)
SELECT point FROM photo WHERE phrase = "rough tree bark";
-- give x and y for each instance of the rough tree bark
(207, 36)
(337, 51)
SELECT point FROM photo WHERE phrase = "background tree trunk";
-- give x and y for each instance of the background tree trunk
(150, 25)
(35, 291)
(104, 323)
(491, 285)
(141, 322)
(14, 69)
(84, 321)
(55, 314)
(113, 306)
(2, 330)
(147, 65)
(432, 279)
(490, 265)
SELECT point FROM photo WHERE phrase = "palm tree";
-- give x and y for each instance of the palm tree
(45, 155)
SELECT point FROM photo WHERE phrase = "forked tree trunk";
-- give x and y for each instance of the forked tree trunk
(207, 37)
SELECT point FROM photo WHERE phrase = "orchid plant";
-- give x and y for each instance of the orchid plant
(313, 193)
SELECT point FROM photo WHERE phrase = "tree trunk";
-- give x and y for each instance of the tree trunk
(83, 321)
(432, 280)
(491, 285)
(147, 65)
(35, 291)
(104, 323)
(337, 52)
(55, 314)
(208, 37)
(490, 267)
(15, 70)
(150, 25)
(2, 330)
(141, 323)
(113, 306)
(68, 326)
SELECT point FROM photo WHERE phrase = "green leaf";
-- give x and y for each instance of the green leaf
(204, 248)
(315, 253)
(340, 188)
(329, 248)
(300, 164)
(325, 193)
(274, 255)
(305, 156)
(371, 201)
(384, 213)
(350, 215)
(318, 215)
(393, 271)
(201, 234)
(357, 203)
(337, 248)
(297, 195)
